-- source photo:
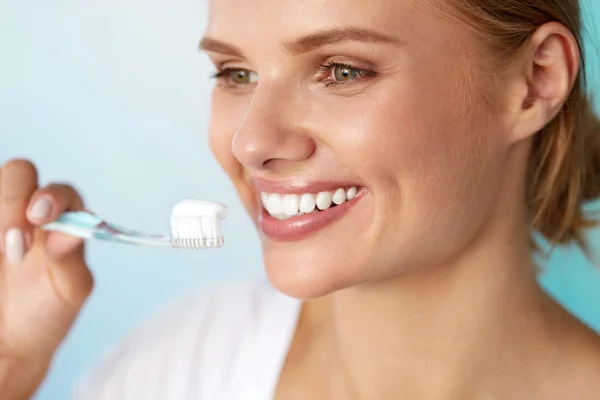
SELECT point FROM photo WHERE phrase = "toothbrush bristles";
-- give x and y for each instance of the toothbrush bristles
(196, 232)
(192, 244)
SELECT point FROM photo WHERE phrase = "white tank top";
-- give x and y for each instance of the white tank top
(228, 344)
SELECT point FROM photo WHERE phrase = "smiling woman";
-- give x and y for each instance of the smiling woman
(398, 158)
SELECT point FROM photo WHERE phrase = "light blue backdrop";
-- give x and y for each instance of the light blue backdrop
(112, 96)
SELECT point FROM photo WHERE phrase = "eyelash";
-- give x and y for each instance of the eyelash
(222, 74)
(329, 66)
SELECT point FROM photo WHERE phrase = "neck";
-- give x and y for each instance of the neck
(460, 329)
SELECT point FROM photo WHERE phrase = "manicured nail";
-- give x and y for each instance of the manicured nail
(41, 209)
(14, 244)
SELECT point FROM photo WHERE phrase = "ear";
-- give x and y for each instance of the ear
(550, 66)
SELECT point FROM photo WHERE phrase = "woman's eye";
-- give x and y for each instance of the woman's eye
(236, 77)
(342, 73)
(241, 76)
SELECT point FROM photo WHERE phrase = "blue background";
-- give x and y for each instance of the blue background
(113, 96)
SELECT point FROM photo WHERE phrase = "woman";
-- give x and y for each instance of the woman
(445, 132)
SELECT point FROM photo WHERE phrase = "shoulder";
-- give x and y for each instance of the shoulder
(577, 375)
(204, 336)
(585, 367)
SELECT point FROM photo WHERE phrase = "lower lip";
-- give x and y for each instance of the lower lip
(300, 227)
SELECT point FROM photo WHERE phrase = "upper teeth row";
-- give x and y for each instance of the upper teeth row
(294, 204)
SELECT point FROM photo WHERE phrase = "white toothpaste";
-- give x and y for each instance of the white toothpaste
(197, 219)
(200, 208)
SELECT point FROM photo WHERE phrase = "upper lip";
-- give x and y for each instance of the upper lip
(301, 185)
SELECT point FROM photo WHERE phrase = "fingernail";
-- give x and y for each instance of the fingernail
(14, 245)
(41, 208)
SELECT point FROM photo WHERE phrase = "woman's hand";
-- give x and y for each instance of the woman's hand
(44, 279)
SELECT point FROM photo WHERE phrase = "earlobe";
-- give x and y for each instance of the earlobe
(552, 67)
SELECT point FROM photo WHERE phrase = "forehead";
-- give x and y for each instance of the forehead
(278, 19)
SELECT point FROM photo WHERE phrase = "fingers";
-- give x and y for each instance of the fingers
(46, 205)
(23, 207)
(18, 181)
(67, 270)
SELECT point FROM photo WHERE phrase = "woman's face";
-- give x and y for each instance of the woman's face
(375, 100)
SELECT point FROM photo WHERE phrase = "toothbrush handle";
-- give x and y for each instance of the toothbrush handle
(118, 234)
(80, 224)
(86, 225)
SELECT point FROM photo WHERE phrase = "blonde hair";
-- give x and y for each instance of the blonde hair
(564, 167)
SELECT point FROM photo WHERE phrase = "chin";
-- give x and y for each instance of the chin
(307, 273)
(304, 280)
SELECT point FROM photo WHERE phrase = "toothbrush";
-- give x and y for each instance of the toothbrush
(195, 224)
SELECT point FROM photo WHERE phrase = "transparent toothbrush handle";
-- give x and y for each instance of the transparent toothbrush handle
(80, 224)
(86, 225)
(119, 234)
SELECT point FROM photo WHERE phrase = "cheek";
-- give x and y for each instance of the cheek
(448, 147)
(426, 147)
(442, 156)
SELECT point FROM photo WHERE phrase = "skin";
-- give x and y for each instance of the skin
(425, 289)
(43, 290)
(429, 281)
(439, 167)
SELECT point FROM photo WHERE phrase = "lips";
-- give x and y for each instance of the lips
(293, 210)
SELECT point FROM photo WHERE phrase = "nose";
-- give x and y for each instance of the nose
(271, 135)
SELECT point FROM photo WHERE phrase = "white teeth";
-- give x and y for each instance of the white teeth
(339, 196)
(351, 193)
(307, 203)
(285, 206)
(290, 204)
(264, 197)
(274, 204)
(324, 200)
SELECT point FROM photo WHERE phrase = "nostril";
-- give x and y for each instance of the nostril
(276, 164)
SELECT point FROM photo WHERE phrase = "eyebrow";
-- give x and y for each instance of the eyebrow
(216, 46)
(307, 43)
(336, 35)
